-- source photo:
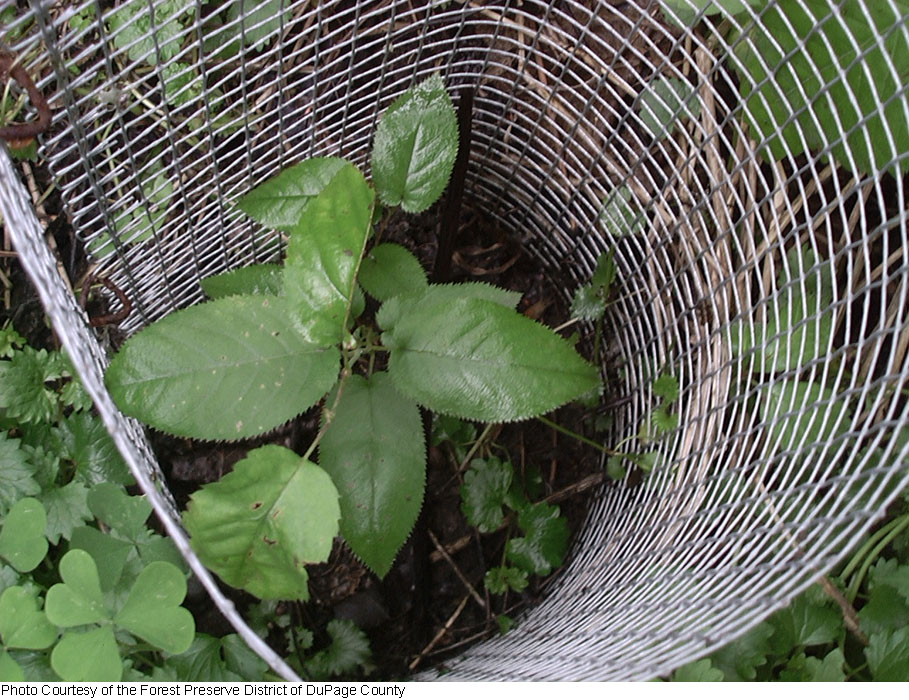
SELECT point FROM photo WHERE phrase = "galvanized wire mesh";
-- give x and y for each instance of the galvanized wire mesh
(788, 445)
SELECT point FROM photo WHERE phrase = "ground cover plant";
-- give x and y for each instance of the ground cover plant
(276, 340)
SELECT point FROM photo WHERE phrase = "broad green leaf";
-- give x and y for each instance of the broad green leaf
(22, 541)
(10, 671)
(349, 649)
(260, 525)
(90, 656)
(266, 278)
(545, 540)
(115, 508)
(815, 79)
(888, 655)
(22, 624)
(324, 253)
(665, 103)
(485, 486)
(375, 455)
(893, 574)
(109, 553)
(800, 327)
(803, 412)
(85, 442)
(804, 623)
(16, 476)
(500, 579)
(223, 370)
(261, 20)
(404, 305)
(78, 600)
(152, 611)
(390, 269)
(280, 201)
(699, 671)
(149, 35)
(415, 146)
(67, 508)
(475, 359)
(740, 659)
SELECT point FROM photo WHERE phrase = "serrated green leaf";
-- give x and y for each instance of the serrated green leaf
(223, 370)
(67, 508)
(148, 35)
(90, 656)
(279, 202)
(22, 540)
(545, 540)
(890, 573)
(375, 455)
(242, 660)
(404, 305)
(667, 387)
(8, 577)
(323, 256)
(10, 671)
(389, 270)
(85, 442)
(261, 524)
(476, 359)
(483, 493)
(815, 79)
(152, 547)
(24, 391)
(588, 303)
(152, 611)
(605, 273)
(349, 649)
(126, 514)
(740, 660)
(415, 146)
(886, 610)
(803, 412)
(203, 663)
(109, 553)
(663, 420)
(22, 624)
(804, 623)
(9, 338)
(699, 671)
(500, 579)
(665, 103)
(266, 278)
(137, 220)
(78, 600)
(888, 655)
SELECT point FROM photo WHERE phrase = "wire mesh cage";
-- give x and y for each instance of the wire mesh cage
(744, 161)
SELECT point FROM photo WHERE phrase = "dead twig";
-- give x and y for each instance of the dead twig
(454, 567)
(441, 633)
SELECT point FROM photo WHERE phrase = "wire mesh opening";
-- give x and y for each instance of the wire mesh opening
(748, 175)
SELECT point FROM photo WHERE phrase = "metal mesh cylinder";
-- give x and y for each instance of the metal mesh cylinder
(754, 201)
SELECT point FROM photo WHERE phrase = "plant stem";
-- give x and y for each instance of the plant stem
(903, 523)
(476, 446)
(866, 546)
(570, 433)
(330, 413)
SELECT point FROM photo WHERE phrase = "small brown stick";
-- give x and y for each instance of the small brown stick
(20, 135)
(441, 633)
(111, 318)
(455, 547)
(470, 589)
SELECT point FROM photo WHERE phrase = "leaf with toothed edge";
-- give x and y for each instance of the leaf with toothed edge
(223, 370)
(476, 359)
(266, 278)
(403, 304)
(260, 525)
(375, 454)
(323, 256)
